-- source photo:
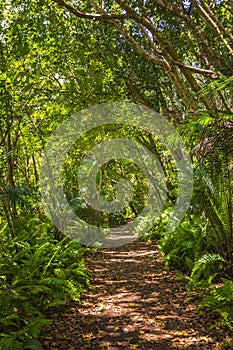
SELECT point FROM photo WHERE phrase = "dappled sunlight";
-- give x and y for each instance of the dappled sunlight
(132, 303)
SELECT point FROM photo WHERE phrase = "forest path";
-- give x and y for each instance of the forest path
(132, 303)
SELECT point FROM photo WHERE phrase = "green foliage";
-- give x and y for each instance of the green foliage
(211, 142)
(220, 300)
(206, 267)
(170, 57)
(37, 273)
(218, 85)
(182, 247)
(33, 345)
(193, 249)
(214, 185)
(12, 345)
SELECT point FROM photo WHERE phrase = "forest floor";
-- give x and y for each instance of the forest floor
(133, 302)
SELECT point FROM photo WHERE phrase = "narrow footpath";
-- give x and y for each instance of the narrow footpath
(133, 302)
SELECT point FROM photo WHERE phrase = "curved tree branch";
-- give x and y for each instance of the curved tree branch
(93, 16)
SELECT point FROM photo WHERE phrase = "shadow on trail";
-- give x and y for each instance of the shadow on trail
(133, 303)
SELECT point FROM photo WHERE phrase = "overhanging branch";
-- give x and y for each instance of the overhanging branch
(87, 15)
(205, 72)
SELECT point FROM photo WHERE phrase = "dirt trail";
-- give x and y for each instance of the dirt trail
(132, 303)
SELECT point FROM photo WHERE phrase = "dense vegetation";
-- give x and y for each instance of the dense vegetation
(57, 58)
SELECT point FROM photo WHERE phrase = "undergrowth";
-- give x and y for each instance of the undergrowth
(38, 273)
(193, 250)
